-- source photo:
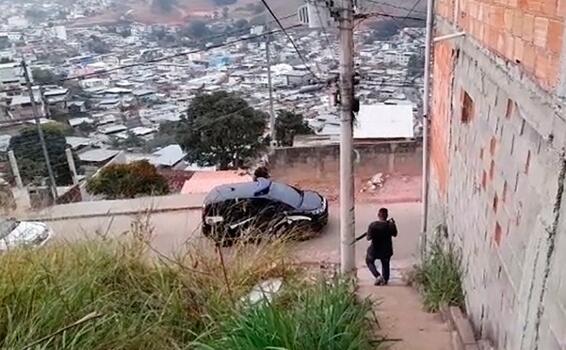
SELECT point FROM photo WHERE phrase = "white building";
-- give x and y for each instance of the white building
(382, 121)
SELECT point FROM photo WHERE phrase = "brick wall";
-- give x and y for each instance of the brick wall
(497, 154)
(523, 32)
(443, 72)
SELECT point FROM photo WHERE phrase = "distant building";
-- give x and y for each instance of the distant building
(381, 121)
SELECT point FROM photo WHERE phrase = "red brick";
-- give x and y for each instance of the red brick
(561, 8)
(542, 66)
(548, 7)
(528, 27)
(541, 31)
(517, 23)
(508, 20)
(513, 3)
(491, 170)
(523, 4)
(509, 46)
(501, 43)
(518, 50)
(554, 36)
(510, 109)
(529, 58)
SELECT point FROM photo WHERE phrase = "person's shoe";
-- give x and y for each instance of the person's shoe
(379, 281)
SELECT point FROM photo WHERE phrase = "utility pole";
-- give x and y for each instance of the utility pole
(425, 120)
(347, 218)
(52, 183)
(72, 166)
(269, 83)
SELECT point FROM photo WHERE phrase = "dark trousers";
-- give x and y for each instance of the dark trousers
(370, 261)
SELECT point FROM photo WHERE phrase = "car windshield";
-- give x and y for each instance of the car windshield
(286, 194)
(7, 226)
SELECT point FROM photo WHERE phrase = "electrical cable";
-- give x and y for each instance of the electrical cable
(290, 39)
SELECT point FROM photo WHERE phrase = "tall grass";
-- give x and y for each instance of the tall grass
(321, 316)
(440, 277)
(112, 295)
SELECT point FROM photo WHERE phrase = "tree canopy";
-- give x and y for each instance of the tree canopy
(128, 181)
(222, 130)
(197, 29)
(165, 5)
(416, 64)
(224, 2)
(46, 76)
(29, 154)
(289, 124)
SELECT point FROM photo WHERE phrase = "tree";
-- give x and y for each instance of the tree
(197, 30)
(384, 29)
(6, 60)
(28, 152)
(221, 129)
(241, 24)
(86, 128)
(128, 181)
(46, 76)
(416, 66)
(165, 5)
(224, 2)
(97, 45)
(289, 124)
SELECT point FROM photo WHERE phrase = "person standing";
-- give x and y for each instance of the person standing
(380, 233)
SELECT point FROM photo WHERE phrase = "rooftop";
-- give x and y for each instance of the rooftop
(98, 155)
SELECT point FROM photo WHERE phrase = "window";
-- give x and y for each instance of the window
(467, 107)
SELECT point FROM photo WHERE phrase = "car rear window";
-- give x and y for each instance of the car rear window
(286, 194)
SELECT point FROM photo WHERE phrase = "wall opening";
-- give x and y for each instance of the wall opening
(467, 107)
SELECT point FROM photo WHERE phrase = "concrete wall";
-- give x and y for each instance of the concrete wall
(498, 176)
(323, 162)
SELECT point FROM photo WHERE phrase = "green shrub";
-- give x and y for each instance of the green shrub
(128, 181)
(440, 278)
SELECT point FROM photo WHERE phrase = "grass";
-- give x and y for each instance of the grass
(440, 278)
(321, 316)
(110, 294)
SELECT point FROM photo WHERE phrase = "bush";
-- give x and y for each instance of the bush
(128, 181)
(440, 278)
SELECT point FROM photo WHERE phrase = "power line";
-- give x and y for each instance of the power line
(289, 38)
(394, 17)
(393, 6)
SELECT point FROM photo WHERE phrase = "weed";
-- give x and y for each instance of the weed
(440, 277)
(109, 294)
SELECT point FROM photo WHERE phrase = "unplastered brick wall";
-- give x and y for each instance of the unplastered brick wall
(443, 72)
(525, 32)
(504, 144)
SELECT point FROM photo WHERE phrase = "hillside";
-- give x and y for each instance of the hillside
(179, 12)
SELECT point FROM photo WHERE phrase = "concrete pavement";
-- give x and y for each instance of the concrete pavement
(172, 228)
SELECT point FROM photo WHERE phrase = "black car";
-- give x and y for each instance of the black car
(262, 206)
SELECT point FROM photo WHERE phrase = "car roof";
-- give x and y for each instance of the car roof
(262, 188)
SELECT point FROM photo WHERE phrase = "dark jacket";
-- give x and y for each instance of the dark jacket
(380, 234)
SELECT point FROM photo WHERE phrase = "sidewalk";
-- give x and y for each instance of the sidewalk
(119, 207)
(400, 313)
